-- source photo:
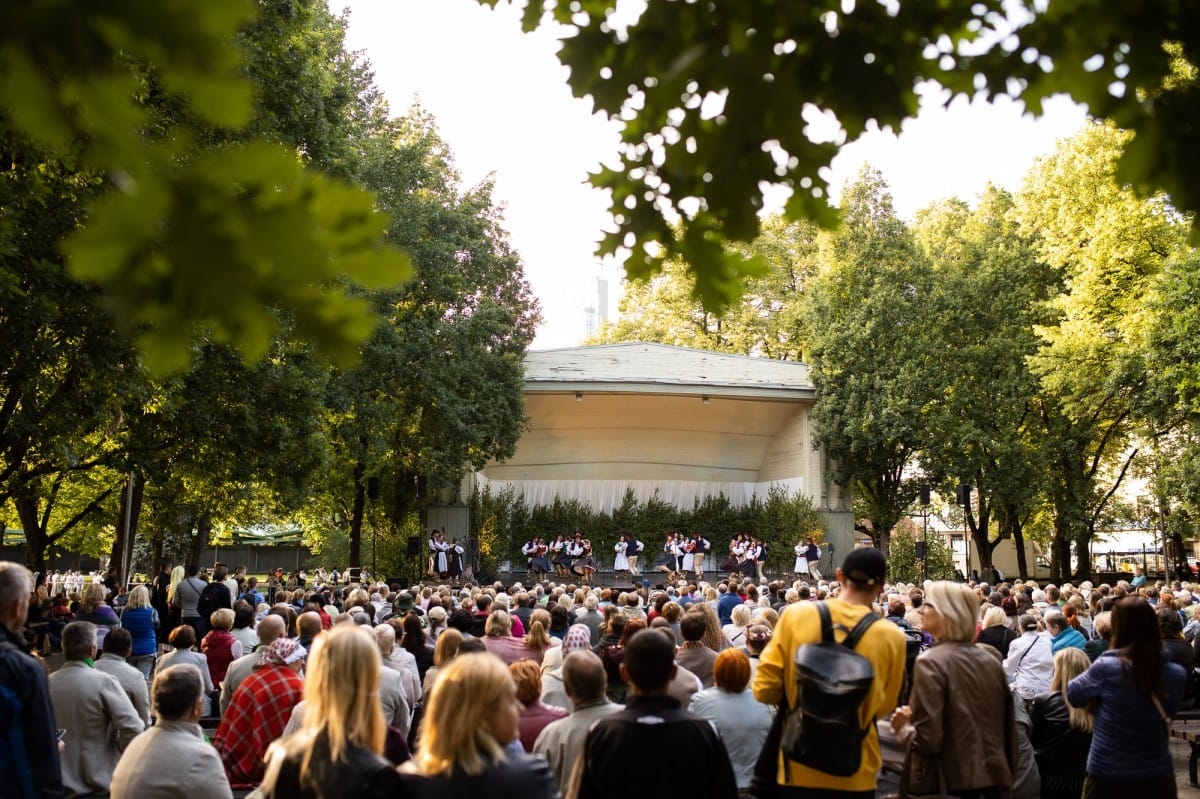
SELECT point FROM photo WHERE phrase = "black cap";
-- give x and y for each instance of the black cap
(865, 567)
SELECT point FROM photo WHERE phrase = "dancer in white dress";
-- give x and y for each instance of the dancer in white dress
(801, 550)
(621, 561)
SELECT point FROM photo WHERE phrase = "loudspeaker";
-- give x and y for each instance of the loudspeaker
(963, 494)
(925, 493)
(920, 550)
(414, 545)
(372, 488)
(422, 487)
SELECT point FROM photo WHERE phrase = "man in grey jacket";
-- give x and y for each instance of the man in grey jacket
(117, 646)
(172, 760)
(94, 710)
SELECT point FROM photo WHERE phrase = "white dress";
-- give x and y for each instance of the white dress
(689, 558)
(621, 562)
(801, 559)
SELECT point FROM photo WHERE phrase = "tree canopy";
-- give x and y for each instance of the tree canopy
(722, 100)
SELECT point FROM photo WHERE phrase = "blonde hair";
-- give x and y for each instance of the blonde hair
(341, 694)
(959, 607)
(537, 637)
(139, 597)
(995, 617)
(447, 646)
(1069, 663)
(93, 596)
(176, 578)
(498, 624)
(452, 738)
(221, 619)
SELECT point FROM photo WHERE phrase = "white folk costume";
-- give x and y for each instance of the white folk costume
(621, 561)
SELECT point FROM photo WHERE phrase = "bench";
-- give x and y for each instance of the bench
(1192, 736)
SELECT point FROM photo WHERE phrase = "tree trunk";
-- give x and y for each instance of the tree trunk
(121, 544)
(35, 538)
(200, 542)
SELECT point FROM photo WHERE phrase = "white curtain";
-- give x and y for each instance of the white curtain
(605, 495)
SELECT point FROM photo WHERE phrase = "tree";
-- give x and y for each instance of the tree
(868, 323)
(193, 227)
(1109, 246)
(716, 101)
(439, 387)
(765, 321)
(990, 291)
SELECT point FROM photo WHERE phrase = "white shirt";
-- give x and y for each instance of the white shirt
(1030, 664)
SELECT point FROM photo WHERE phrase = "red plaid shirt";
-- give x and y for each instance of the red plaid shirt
(260, 710)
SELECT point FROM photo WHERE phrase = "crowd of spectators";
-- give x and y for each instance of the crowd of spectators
(535, 691)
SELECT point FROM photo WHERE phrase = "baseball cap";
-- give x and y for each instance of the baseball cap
(865, 566)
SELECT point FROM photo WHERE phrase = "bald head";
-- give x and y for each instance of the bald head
(270, 628)
(309, 624)
(583, 677)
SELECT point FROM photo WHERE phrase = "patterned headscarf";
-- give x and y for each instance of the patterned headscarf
(281, 652)
(577, 638)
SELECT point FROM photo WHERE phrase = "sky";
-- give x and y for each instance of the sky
(502, 103)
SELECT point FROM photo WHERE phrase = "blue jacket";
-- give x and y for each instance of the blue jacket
(1129, 737)
(1068, 638)
(142, 624)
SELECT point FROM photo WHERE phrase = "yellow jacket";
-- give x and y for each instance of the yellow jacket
(883, 644)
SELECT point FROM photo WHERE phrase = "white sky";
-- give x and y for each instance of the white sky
(502, 103)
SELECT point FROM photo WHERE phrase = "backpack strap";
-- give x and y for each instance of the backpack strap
(826, 623)
(860, 629)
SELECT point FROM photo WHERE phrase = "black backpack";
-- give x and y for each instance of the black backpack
(208, 601)
(832, 680)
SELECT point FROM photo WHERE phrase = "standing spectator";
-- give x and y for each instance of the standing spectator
(861, 575)
(996, 633)
(1063, 635)
(1177, 650)
(93, 708)
(39, 773)
(535, 714)
(252, 595)
(614, 763)
(259, 711)
(1061, 734)
(741, 720)
(1134, 693)
(187, 594)
(142, 621)
(561, 742)
(1102, 624)
(1030, 661)
(960, 724)
(117, 645)
(160, 600)
(171, 760)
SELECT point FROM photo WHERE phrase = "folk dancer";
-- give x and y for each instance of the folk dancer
(632, 550)
(813, 554)
(559, 557)
(621, 560)
(801, 567)
(701, 547)
(585, 564)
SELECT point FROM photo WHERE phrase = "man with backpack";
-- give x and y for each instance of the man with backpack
(838, 754)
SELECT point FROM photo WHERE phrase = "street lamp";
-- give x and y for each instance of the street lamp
(924, 532)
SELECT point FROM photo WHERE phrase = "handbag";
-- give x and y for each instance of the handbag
(763, 782)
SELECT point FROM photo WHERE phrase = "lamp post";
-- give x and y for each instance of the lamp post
(963, 495)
